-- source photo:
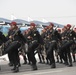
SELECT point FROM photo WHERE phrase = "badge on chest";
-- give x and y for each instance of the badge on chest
(34, 34)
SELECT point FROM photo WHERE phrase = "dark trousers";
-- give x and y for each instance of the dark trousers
(31, 50)
(73, 50)
(50, 52)
(13, 52)
(10, 57)
(65, 51)
(15, 57)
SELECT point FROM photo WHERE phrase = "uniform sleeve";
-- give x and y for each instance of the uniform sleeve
(58, 35)
(74, 34)
(40, 39)
(2, 37)
(22, 37)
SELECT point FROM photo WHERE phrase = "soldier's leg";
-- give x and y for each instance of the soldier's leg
(28, 56)
(73, 54)
(69, 57)
(57, 57)
(25, 59)
(39, 54)
(51, 54)
(61, 59)
(16, 61)
(63, 53)
(66, 58)
(32, 58)
(40, 60)
(24, 53)
(53, 65)
(43, 54)
(10, 58)
(43, 58)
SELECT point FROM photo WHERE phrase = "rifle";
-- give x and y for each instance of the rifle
(54, 30)
(10, 40)
(70, 31)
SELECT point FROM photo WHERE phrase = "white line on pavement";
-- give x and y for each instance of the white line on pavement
(40, 73)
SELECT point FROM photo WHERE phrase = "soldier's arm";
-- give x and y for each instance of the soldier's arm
(21, 36)
(40, 39)
(2, 37)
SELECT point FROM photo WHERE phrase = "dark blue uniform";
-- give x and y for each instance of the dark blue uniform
(12, 49)
(35, 41)
(54, 37)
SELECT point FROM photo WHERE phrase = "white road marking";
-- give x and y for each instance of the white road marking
(41, 73)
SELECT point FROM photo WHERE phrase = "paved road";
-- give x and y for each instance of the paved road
(43, 69)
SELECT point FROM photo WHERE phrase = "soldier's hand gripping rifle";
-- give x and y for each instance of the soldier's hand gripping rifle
(11, 39)
(70, 31)
(54, 30)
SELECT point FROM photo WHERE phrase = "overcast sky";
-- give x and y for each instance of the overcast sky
(60, 11)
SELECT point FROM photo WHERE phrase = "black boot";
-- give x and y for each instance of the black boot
(74, 61)
(74, 57)
(47, 61)
(70, 65)
(13, 68)
(53, 65)
(16, 69)
(66, 63)
(10, 64)
(24, 63)
(34, 67)
(19, 64)
(43, 62)
(29, 63)
(61, 61)
(25, 60)
(57, 60)
(40, 62)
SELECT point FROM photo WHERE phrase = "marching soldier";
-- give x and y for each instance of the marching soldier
(73, 48)
(62, 52)
(9, 53)
(26, 34)
(46, 41)
(57, 54)
(68, 42)
(3, 39)
(41, 49)
(54, 37)
(35, 41)
(17, 39)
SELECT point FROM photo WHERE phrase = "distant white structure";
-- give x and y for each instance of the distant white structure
(2, 22)
(29, 19)
(13, 17)
(44, 20)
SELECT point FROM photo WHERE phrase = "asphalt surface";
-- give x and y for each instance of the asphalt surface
(43, 69)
